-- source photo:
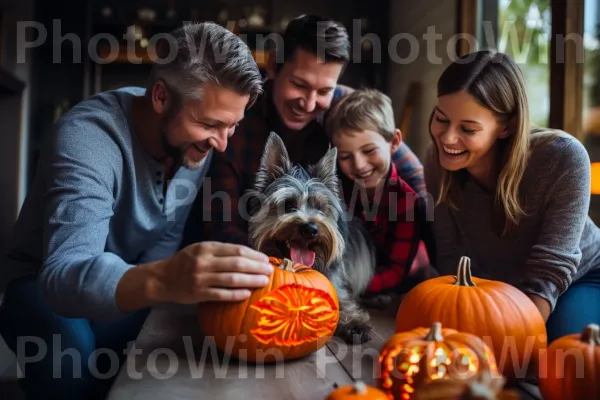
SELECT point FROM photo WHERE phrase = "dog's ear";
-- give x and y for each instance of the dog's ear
(274, 162)
(326, 170)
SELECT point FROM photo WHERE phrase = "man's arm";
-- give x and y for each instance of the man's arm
(78, 276)
(82, 280)
(410, 168)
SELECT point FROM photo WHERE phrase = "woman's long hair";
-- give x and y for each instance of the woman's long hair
(496, 82)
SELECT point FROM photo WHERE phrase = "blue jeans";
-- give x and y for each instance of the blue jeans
(62, 357)
(577, 307)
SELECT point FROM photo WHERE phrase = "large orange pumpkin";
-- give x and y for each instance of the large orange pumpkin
(357, 391)
(294, 315)
(571, 369)
(501, 314)
(409, 360)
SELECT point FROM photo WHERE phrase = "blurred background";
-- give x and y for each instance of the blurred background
(398, 46)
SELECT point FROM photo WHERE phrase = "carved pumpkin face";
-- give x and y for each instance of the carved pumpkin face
(501, 314)
(293, 316)
(571, 368)
(410, 360)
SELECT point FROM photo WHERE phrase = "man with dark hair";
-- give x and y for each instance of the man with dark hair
(96, 242)
(302, 84)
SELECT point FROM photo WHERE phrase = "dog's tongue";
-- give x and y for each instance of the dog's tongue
(302, 256)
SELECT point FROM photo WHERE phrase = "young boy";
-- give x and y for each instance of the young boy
(361, 126)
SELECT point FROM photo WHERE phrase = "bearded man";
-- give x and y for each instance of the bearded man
(96, 242)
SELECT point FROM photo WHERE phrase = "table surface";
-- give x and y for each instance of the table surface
(171, 360)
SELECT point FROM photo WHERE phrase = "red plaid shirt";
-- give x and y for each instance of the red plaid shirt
(223, 208)
(393, 217)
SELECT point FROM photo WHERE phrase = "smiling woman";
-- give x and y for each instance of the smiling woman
(466, 133)
(511, 197)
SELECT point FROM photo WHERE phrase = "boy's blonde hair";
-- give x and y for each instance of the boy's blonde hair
(362, 110)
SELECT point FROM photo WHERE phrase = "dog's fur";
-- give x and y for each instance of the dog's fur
(284, 200)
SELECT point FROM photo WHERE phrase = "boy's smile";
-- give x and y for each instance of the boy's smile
(364, 156)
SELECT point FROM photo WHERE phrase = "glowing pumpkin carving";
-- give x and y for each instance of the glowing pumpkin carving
(572, 367)
(409, 360)
(292, 316)
(501, 314)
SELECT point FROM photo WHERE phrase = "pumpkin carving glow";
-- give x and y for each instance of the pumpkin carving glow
(409, 360)
(292, 316)
(501, 314)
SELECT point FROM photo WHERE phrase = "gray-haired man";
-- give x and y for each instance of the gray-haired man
(96, 241)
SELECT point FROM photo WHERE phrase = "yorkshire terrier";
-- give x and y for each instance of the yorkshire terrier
(299, 214)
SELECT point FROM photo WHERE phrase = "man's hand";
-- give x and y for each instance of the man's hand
(214, 271)
(542, 304)
(200, 272)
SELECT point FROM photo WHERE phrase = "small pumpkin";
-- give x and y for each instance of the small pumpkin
(501, 314)
(294, 315)
(358, 390)
(409, 360)
(485, 387)
(571, 369)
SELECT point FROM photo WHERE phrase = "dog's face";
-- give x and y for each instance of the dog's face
(296, 214)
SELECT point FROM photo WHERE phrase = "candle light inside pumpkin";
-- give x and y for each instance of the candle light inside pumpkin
(408, 364)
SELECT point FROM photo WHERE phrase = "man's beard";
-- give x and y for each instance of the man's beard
(177, 153)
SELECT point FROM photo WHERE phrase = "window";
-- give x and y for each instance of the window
(590, 112)
(591, 76)
(557, 45)
(522, 29)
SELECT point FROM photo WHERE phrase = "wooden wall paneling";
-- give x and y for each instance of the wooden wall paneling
(566, 66)
(468, 21)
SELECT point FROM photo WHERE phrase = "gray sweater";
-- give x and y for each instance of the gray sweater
(96, 208)
(556, 244)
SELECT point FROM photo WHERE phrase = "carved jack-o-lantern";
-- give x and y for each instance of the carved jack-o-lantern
(411, 359)
(294, 315)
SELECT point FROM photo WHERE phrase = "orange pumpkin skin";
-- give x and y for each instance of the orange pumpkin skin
(571, 369)
(410, 360)
(506, 319)
(294, 315)
(357, 391)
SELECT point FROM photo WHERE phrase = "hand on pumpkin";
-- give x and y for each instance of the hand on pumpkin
(206, 271)
(542, 304)
(213, 271)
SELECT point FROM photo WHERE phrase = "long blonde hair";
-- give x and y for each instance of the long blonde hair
(496, 82)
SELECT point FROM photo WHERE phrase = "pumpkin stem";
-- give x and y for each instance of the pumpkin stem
(463, 276)
(591, 334)
(287, 264)
(360, 387)
(435, 333)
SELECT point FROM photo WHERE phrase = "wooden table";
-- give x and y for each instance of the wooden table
(170, 360)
